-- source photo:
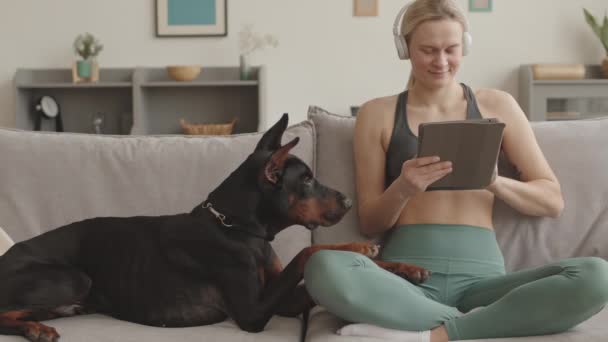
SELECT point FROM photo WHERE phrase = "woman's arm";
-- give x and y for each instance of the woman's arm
(538, 193)
(379, 209)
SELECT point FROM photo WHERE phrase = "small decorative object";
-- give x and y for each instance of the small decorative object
(244, 68)
(183, 72)
(602, 33)
(47, 108)
(480, 5)
(250, 42)
(86, 69)
(558, 71)
(191, 18)
(208, 129)
(365, 8)
(98, 121)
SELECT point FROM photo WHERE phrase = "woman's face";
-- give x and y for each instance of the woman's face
(435, 51)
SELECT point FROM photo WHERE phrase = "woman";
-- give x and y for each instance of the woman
(448, 232)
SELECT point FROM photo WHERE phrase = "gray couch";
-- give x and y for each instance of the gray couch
(50, 179)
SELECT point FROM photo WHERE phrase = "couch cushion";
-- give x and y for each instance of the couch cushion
(100, 328)
(51, 179)
(335, 168)
(575, 151)
(322, 327)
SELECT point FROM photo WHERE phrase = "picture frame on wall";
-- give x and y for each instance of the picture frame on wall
(365, 8)
(480, 5)
(191, 18)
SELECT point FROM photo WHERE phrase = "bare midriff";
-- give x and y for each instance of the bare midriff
(465, 207)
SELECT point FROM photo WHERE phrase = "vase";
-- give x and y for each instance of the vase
(244, 68)
(83, 68)
(605, 67)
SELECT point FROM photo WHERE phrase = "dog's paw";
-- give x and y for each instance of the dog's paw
(375, 250)
(36, 332)
(411, 273)
(369, 250)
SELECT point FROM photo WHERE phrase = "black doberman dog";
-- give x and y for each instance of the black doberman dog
(182, 270)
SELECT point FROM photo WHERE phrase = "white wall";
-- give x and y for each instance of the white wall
(326, 56)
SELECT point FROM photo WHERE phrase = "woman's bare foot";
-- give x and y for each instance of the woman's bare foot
(439, 334)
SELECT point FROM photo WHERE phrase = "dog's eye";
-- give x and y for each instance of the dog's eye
(308, 180)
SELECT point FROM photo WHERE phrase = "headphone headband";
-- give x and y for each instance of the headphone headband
(396, 28)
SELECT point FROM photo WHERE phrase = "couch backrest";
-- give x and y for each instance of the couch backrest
(51, 179)
(335, 168)
(576, 150)
(578, 154)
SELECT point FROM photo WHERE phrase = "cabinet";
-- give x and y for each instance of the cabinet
(563, 99)
(142, 100)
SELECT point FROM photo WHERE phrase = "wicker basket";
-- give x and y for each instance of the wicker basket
(207, 129)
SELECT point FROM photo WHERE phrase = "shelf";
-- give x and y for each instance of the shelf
(588, 96)
(142, 100)
(75, 85)
(199, 84)
(572, 82)
(62, 78)
(579, 117)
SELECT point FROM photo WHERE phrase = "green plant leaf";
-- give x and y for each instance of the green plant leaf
(87, 46)
(592, 23)
(604, 36)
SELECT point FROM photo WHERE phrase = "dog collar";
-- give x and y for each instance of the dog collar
(217, 214)
(222, 218)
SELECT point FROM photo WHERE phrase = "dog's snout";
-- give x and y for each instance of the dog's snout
(346, 202)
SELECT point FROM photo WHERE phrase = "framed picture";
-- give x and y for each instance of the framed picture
(480, 5)
(191, 18)
(365, 8)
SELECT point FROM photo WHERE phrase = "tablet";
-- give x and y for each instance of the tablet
(471, 145)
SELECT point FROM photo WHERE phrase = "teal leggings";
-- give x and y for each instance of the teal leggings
(467, 272)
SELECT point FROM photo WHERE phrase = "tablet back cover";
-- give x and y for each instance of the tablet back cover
(471, 145)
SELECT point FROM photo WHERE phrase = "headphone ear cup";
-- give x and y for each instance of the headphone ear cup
(467, 42)
(401, 46)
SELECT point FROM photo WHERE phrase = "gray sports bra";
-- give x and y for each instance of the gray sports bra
(404, 144)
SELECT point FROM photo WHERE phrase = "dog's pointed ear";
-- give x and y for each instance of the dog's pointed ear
(276, 163)
(271, 140)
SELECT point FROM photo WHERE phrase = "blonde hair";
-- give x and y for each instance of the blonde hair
(424, 10)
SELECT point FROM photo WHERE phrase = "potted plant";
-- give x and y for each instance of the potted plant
(249, 42)
(87, 47)
(601, 31)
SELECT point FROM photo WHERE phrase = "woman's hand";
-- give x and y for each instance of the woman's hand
(494, 180)
(418, 173)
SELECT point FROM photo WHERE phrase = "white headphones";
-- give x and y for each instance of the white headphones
(401, 44)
